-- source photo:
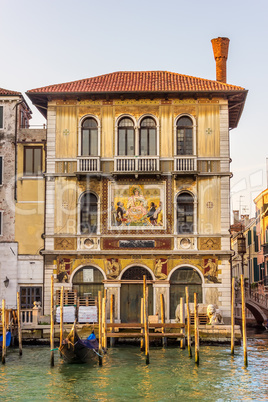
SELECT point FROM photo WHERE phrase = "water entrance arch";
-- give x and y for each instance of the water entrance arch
(87, 281)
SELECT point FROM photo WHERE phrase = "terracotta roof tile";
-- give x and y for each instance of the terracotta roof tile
(8, 92)
(138, 81)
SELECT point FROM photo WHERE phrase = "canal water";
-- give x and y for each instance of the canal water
(124, 376)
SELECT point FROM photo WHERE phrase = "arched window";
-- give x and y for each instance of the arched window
(184, 136)
(126, 137)
(87, 281)
(147, 143)
(185, 213)
(89, 137)
(88, 213)
(182, 277)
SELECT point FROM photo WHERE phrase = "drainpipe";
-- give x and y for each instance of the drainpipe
(16, 151)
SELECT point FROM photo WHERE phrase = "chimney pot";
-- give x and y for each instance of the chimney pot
(220, 49)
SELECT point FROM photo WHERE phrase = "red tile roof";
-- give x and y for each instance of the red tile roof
(138, 81)
(8, 92)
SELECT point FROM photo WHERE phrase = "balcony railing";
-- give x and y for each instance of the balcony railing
(136, 164)
(87, 164)
(185, 164)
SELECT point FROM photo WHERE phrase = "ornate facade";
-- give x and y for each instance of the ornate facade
(137, 183)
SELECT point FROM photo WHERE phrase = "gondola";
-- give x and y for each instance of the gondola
(76, 350)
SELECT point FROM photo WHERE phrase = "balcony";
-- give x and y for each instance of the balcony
(136, 164)
(265, 249)
(88, 164)
(184, 164)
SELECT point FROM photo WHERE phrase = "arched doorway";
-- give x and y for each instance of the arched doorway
(87, 281)
(132, 292)
(180, 278)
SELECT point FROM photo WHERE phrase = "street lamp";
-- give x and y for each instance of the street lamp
(6, 282)
(241, 247)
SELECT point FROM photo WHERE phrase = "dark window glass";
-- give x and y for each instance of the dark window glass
(147, 137)
(126, 137)
(136, 273)
(184, 136)
(32, 161)
(88, 213)
(28, 295)
(185, 213)
(1, 116)
(89, 140)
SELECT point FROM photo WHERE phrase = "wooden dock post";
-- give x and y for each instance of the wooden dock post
(61, 314)
(162, 307)
(244, 331)
(232, 317)
(100, 326)
(146, 334)
(112, 340)
(104, 324)
(142, 324)
(188, 322)
(19, 323)
(4, 331)
(182, 321)
(196, 330)
(52, 323)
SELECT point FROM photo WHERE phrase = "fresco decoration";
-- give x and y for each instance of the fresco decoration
(112, 268)
(64, 269)
(160, 268)
(210, 269)
(140, 206)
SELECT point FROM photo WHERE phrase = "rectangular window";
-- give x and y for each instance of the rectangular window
(1, 170)
(1, 223)
(249, 238)
(1, 117)
(28, 295)
(32, 161)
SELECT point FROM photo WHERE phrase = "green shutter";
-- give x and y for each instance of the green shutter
(249, 238)
(1, 116)
(1, 170)
(256, 270)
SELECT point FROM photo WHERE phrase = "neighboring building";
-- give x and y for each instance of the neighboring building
(138, 183)
(21, 202)
(261, 202)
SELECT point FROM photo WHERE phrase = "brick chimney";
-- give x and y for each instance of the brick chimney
(220, 50)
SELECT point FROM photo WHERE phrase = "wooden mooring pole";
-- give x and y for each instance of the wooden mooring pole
(244, 330)
(104, 324)
(232, 317)
(100, 326)
(52, 323)
(112, 340)
(142, 324)
(19, 323)
(61, 314)
(188, 322)
(146, 332)
(196, 330)
(162, 307)
(4, 331)
(182, 320)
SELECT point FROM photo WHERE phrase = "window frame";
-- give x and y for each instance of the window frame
(80, 133)
(32, 174)
(1, 222)
(31, 295)
(1, 117)
(80, 221)
(193, 214)
(126, 129)
(194, 125)
(148, 128)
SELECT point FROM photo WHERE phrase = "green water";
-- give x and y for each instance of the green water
(170, 376)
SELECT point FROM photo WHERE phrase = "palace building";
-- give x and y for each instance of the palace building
(137, 182)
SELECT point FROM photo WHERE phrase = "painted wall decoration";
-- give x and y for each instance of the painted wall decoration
(140, 206)
(112, 268)
(160, 269)
(64, 269)
(210, 267)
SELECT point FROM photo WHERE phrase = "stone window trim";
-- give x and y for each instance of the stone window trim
(1, 170)
(1, 222)
(80, 126)
(194, 231)
(79, 213)
(194, 129)
(1, 117)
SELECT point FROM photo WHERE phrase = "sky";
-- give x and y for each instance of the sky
(55, 41)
